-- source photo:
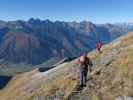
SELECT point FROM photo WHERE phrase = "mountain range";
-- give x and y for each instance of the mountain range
(35, 41)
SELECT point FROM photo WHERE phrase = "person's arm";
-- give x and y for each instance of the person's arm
(90, 64)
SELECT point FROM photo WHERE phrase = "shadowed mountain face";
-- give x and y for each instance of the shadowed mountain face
(21, 47)
(4, 80)
(36, 41)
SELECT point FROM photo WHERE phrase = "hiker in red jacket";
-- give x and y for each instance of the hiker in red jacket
(84, 62)
(99, 46)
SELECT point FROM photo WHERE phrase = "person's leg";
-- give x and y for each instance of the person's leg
(81, 78)
(85, 79)
(99, 50)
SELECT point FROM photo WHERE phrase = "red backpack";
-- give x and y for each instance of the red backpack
(98, 45)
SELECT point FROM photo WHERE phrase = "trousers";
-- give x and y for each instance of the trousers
(83, 78)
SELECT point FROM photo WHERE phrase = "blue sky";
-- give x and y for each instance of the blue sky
(98, 11)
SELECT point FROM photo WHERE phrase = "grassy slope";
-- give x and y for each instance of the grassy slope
(115, 77)
(112, 76)
(39, 84)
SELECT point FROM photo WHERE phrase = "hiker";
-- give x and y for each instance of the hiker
(85, 64)
(99, 46)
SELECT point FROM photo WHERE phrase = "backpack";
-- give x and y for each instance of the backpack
(82, 58)
(98, 45)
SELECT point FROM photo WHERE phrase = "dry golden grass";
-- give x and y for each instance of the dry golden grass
(28, 85)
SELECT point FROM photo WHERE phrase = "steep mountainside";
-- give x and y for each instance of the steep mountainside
(112, 77)
(35, 41)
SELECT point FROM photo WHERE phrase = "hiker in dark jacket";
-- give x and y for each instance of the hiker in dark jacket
(85, 65)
